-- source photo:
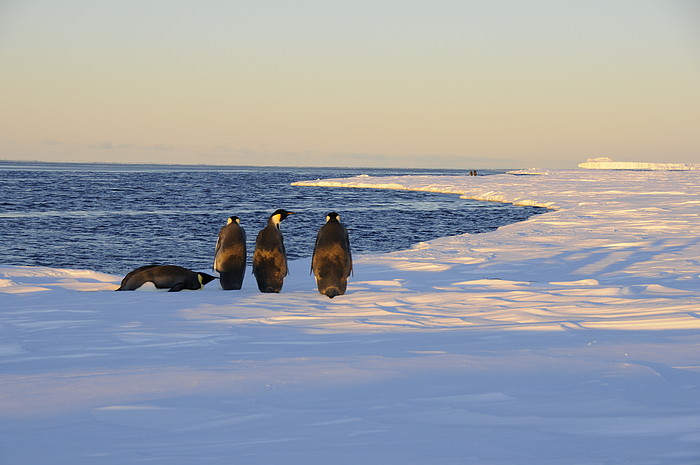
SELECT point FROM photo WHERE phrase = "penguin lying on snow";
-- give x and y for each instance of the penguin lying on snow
(270, 256)
(331, 262)
(230, 255)
(171, 277)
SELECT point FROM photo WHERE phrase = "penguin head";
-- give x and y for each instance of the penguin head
(205, 278)
(279, 215)
(332, 216)
(232, 219)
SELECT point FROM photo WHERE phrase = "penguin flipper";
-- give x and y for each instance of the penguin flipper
(177, 287)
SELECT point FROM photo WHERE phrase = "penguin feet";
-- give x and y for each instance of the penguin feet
(332, 292)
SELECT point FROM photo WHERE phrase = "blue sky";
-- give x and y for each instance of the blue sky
(445, 83)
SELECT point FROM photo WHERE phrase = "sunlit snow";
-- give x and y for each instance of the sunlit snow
(605, 163)
(569, 338)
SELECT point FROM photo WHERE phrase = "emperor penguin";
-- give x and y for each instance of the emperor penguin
(331, 262)
(171, 277)
(270, 257)
(230, 254)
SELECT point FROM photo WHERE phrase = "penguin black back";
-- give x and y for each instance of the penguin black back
(171, 277)
(331, 262)
(230, 254)
(270, 256)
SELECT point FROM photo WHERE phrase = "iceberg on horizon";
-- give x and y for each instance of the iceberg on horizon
(605, 163)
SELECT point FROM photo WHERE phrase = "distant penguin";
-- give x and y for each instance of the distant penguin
(270, 257)
(230, 255)
(331, 262)
(171, 277)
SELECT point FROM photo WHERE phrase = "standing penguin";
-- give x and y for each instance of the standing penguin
(230, 255)
(331, 262)
(270, 257)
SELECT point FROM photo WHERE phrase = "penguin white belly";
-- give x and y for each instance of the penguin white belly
(148, 286)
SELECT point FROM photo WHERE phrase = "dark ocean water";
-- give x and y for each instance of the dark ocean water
(113, 218)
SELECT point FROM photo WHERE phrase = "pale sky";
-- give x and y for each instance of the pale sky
(391, 83)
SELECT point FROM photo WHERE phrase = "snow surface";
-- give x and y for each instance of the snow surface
(605, 163)
(569, 338)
